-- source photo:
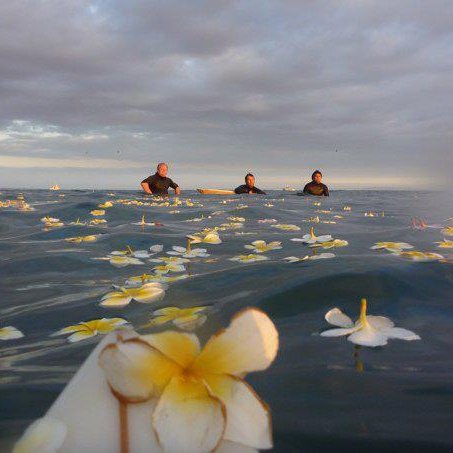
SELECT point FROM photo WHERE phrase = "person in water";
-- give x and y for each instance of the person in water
(316, 187)
(158, 183)
(249, 186)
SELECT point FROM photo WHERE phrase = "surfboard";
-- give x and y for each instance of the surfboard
(215, 192)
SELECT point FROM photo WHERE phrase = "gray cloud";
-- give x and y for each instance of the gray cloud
(230, 84)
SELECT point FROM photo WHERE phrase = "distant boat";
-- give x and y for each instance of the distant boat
(55, 187)
(288, 189)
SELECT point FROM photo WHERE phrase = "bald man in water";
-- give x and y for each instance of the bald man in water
(158, 183)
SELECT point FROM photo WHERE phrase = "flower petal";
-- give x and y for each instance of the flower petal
(380, 322)
(367, 336)
(135, 370)
(338, 332)
(45, 435)
(248, 418)
(190, 322)
(82, 335)
(337, 318)
(187, 418)
(249, 343)
(400, 334)
(116, 299)
(149, 292)
(10, 333)
(177, 346)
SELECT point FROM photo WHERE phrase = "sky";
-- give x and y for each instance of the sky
(93, 94)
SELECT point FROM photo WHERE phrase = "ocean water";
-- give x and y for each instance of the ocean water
(325, 393)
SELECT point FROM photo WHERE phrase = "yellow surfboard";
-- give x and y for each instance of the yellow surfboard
(216, 192)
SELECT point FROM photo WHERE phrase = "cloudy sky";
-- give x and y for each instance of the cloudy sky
(94, 94)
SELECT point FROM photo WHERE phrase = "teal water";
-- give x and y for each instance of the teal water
(324, 393)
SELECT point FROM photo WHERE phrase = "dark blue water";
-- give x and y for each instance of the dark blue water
(325, 394)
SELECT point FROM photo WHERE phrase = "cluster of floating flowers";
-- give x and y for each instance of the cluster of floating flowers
(19, 203)
(170, 368)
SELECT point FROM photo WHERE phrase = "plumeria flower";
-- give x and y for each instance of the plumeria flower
(169, 259)
(184, 318)
(263, 246)
(45, 435)
(392, 246)
(331, 244)
(133, 253)
(123, 261)
(10, 333)
(88, 329)
(415, 255)
(370, 214)
(445, 244)
(107, 204)
(208, 238)
(147, 293)
(139, 280)
(79, 239)
(286, 227)
(77, 223)
(97, 221)
(367, 330)
(447, 231)
(268, 205)
(97, 212)
(188, 252)
(320, 256)
(251, 258)
(51, 222)
(316, 203)
(143, 223)
(201, 396)
(169, 267)
(267, 221)
(236, 219)
(338, 217)
(311, 238)
(347, 208)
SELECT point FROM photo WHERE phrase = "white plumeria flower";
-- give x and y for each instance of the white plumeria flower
(188, 252)
(169, 267)
(211, 237)
(45, 435)
(185, 318)
(200, 392)
(10, 333)
(79, 239)
(391, 246)
(263, 246)
(236, 219)
(139, 280)
(330, 244)
(121, 261)
(445, 244)
(311, 238)
(89, 329)
(157, 248)
(251, 258)
(143, 223)
(415, 255)
(169, 259)
(77, 223)
(286, 227)
(147, 293)
(97, 212)
(131, 253)
(447, 231)
(367, 330)
(267, 221)
(48, 219)
(320, 256)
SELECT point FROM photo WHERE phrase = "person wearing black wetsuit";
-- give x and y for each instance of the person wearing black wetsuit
(316, 187)
(249, 186)
(158, 183)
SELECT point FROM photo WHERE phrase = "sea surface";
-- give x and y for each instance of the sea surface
(325, 394)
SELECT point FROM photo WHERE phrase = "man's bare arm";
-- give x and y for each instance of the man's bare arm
(145, 187)
(178, 191)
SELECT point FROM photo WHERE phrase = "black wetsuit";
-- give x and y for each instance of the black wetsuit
(159, 185)
(246, 189)
(314, 188)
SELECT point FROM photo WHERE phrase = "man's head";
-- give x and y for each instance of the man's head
(162, 169)
(249, 180)
(316, 176)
